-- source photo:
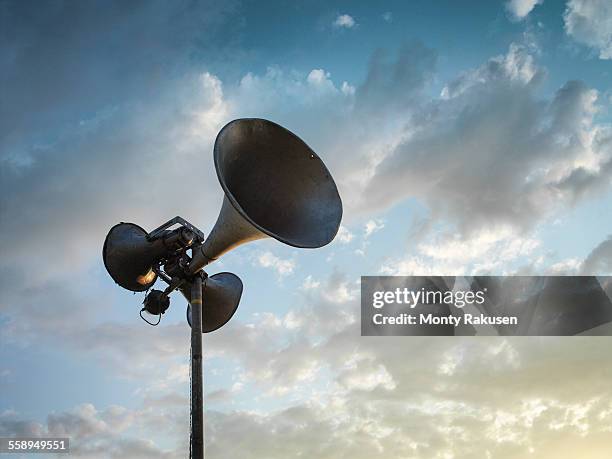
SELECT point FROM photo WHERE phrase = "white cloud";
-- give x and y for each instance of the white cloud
(590, 22)
(279, 93)
(108, 433)
(347, 89)
(292, 320)
(447, 400)
(517, 66)
(339, 289)
(599, 261)
(320, 79)
(281, 266)
(344, 236)
(344, 21)
(310, 283)
(451, 254)
(569, 266)
(372, 226)
(370, 397)
(370, 378)
(506, 246)
(133, 148)
(520, 9)
(491, 152)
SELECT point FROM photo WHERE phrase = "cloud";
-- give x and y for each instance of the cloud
(344, 236)
(105, 171)
(543, 151)
(376, 376)
(368, 398)
(466, 155)
(339, 289)
(568, 266)
(326, 308)
(107, 433)
(320, 79)
(295, 97)
(269, 260)
(132, 148)
(347, 89)
(377, 408)
(396, 80)
(590, 22)
(490, 152)
(124, 348)
(448, 253)
(384, 141)
(309, 283)
(61, 63)
(599, 261)
(345, 21)
(520, 9)
(375, 429)
(379, 403)
(372, 226)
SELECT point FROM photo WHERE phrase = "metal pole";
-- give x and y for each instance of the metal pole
(197, 402)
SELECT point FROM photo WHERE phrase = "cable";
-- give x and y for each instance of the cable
(144, 309)
(150, 323)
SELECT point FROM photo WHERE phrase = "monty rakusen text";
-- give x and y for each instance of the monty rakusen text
(412, 298)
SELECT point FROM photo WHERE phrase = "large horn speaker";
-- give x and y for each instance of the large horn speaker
(129, 256)
(221, 295)
(275, 186)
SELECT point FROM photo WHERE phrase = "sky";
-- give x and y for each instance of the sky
(465, 138)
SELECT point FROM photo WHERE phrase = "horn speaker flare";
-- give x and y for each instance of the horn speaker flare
(275, 186)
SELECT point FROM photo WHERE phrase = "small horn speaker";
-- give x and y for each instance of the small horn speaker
(129, 256)
(221, 294)
(275, 186)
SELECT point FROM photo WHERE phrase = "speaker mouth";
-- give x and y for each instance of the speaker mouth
(277, 182)
(218, 306)
(119, 267)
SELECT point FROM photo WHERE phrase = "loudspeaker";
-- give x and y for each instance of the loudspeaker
(129, 256)
(221, 294)
(275, 186)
